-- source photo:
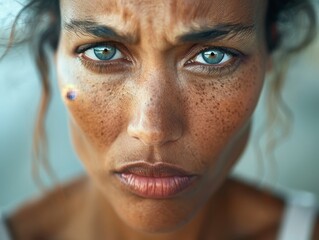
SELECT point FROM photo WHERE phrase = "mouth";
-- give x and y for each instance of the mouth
(157, 181)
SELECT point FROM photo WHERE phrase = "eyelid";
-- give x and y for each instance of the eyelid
(85, 47)
(82, 48)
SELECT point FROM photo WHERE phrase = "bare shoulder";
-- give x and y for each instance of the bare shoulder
(48, 214)
(316, 229)
(256, 213)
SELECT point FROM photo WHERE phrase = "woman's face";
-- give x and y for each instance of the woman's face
(160, 96)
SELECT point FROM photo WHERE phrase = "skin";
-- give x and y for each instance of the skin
(158, 103)
(155, 107)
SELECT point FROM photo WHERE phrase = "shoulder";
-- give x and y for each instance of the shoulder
(49, 214)
(316, 229)
(255, 212)
(262, 214)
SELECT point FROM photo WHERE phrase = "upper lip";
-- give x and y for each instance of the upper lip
(160, 169)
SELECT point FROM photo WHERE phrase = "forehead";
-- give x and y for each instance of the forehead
(168, 17)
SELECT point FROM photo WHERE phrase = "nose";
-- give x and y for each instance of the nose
(156, 117)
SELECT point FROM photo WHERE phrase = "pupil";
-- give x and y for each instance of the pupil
(212, 55)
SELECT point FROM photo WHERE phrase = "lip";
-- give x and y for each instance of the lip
(156, 181)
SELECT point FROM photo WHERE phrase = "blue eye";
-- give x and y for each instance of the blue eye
(213, 57)
(105, 52)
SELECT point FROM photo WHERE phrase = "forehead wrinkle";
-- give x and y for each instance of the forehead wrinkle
(159, 22)
(187, 15)
(118, 15)
(233, 10)
(123, 8)
(189, 10)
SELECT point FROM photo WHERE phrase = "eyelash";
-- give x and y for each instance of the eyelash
(108, 66)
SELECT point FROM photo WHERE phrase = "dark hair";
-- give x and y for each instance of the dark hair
(43, 20)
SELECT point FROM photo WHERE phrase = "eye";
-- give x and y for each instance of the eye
(214, 61)
(213, 57)
(104, 57)
(105, 52)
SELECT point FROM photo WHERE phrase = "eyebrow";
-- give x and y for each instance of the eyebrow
(94, 29)
(217, 33)
(97, 30)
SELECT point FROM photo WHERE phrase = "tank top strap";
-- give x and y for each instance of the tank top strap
(299, 217)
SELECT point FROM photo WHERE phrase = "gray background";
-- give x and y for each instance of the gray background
(297, 161)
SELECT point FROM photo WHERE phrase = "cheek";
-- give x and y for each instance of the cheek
(96, 107)
(218, 109)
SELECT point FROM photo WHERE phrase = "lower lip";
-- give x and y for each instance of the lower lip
(155, 187)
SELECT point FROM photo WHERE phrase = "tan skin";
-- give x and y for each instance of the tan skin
(157, 99)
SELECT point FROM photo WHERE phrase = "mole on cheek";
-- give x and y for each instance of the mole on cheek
(70, 93)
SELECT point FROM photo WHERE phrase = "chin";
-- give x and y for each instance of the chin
(158, 216)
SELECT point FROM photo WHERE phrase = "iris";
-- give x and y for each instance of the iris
(104, 52)
(213, 56)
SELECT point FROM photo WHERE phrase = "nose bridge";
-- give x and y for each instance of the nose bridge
(155, 119)
(155, 92)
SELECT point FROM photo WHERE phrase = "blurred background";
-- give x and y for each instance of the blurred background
(297, 158)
